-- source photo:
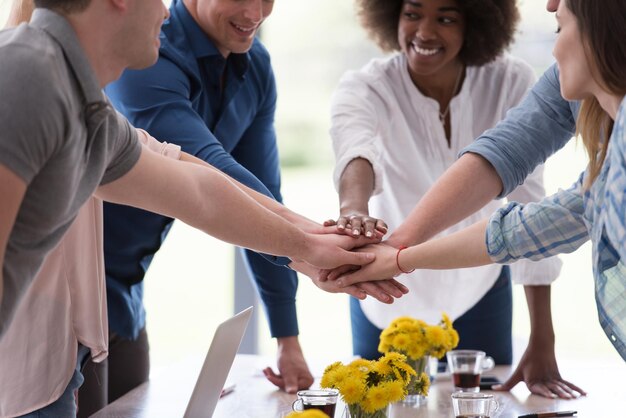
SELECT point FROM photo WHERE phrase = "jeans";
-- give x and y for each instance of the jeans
(65, 406)
(486, 326)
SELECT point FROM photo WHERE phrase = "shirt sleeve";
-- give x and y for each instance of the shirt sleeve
(258, 152)
(355, 130)
(33, 114)
(528, 272)
(163, 148)
(538, 230)
(531, 132)
(615, 198)
(158, 100)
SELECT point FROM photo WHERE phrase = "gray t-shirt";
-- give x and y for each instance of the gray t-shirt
(58, 134)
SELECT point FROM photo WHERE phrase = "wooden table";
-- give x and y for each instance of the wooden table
(167, 394)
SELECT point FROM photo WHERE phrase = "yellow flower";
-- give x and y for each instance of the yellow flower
(395, 390)
(352, 390)
(311, 413)
(370, 385)
(401, 342)
(417, 339)
(436, 336)
(375, 399)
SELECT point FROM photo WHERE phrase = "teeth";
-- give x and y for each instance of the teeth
(243, 29)
(424, 51)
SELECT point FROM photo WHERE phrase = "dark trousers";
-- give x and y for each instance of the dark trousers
(126, 367)
(486, 326)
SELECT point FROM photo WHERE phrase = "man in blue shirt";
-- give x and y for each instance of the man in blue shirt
(213, 92)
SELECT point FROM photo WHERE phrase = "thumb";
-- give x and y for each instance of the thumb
(509, 384)
(358, 259)
(291, 383)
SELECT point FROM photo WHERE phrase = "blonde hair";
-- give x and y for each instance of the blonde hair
(602, 31)
(594, 126)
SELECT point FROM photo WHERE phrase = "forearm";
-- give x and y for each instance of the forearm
(207, 200)
(540, 312)
(356, 187)
(468, 185)
(265, 201)
(465, 248)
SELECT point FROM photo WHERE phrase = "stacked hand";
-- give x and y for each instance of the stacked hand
(357, 224)
(344, 253)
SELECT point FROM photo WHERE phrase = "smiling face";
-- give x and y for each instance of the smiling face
(575, 74)
(230, 24)
(430, 33)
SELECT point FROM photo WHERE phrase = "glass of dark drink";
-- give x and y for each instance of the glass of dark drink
(473, 405)
(323, 399)
(466, 367)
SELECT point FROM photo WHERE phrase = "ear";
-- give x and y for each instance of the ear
(120, 5)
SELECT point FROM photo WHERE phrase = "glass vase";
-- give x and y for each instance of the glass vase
(355, 411)
(414, 398)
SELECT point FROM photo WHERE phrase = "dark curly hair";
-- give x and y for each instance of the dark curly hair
(489, 26)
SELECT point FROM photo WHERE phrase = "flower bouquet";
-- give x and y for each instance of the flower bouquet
(368, 387)
(417, 341)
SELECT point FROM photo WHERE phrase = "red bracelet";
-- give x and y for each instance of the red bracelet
(402, 247)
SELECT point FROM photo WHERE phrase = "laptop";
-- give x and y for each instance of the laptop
(217, 364)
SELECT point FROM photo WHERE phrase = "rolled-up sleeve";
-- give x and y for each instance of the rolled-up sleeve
(535, 231)
(531, 132)
(528, 272)
(355, 113)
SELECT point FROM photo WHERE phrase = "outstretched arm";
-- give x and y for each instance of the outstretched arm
(465, 248)
(468, 185)
(206, 199)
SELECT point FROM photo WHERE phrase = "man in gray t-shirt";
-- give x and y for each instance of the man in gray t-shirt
(61, 142)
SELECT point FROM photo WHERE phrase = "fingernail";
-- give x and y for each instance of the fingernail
(341, 227)
(355, 232)
(368, 234)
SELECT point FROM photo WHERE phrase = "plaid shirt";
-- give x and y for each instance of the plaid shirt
(564, 221)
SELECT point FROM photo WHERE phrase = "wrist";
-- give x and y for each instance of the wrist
(290, 343)
(301, 247)
(399, 262)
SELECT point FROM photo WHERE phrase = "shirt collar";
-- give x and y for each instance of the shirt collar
(201, 45)
(60, 30)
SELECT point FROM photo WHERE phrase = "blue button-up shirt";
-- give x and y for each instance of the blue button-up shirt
(564, 221)
(222, 111)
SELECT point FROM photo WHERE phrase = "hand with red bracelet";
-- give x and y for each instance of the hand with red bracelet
(387, 265)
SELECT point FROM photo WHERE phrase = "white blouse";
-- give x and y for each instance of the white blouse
(378, 114)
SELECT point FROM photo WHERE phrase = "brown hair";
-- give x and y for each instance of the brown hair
(63, 6)
(489, 28)
(602, 27)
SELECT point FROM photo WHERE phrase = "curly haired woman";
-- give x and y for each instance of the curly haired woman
(400, 122)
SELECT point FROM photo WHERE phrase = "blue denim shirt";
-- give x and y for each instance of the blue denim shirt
(531, 132)
(564, 221)
(181, 100)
